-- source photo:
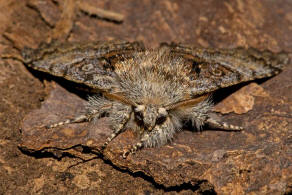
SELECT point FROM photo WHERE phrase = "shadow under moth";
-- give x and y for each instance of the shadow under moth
(152, 92)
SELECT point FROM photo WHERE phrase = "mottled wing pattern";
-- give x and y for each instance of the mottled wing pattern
(91, 64)
(218, 68)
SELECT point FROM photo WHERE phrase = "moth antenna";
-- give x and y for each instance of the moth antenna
(120, 98)
(189, 102)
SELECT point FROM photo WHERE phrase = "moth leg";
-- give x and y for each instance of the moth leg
(133, 149)
(119, 118)
(222, 125)
(137, 146)
(116, 132)
(157, 137)
(78, 119)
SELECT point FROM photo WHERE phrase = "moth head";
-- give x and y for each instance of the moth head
(150, 115)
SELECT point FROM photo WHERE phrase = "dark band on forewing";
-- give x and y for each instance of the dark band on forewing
(89, 64)
(219, 68)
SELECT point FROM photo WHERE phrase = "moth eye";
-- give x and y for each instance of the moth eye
(139, 116)
(160, 120)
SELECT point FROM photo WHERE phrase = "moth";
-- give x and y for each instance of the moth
(152, 92)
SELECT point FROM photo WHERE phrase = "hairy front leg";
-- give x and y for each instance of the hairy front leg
(119, 117)
(159, 136)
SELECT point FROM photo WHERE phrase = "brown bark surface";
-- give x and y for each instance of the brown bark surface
(67, 160)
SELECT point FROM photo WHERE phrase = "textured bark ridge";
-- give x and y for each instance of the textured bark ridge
(257, 160)
(222, 158)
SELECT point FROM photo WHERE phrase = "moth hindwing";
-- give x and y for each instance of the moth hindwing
(152, 92)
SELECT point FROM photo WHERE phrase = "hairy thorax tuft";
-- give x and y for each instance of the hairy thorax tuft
(154, 77)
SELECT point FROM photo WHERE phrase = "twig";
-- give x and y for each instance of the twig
(92, 10)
